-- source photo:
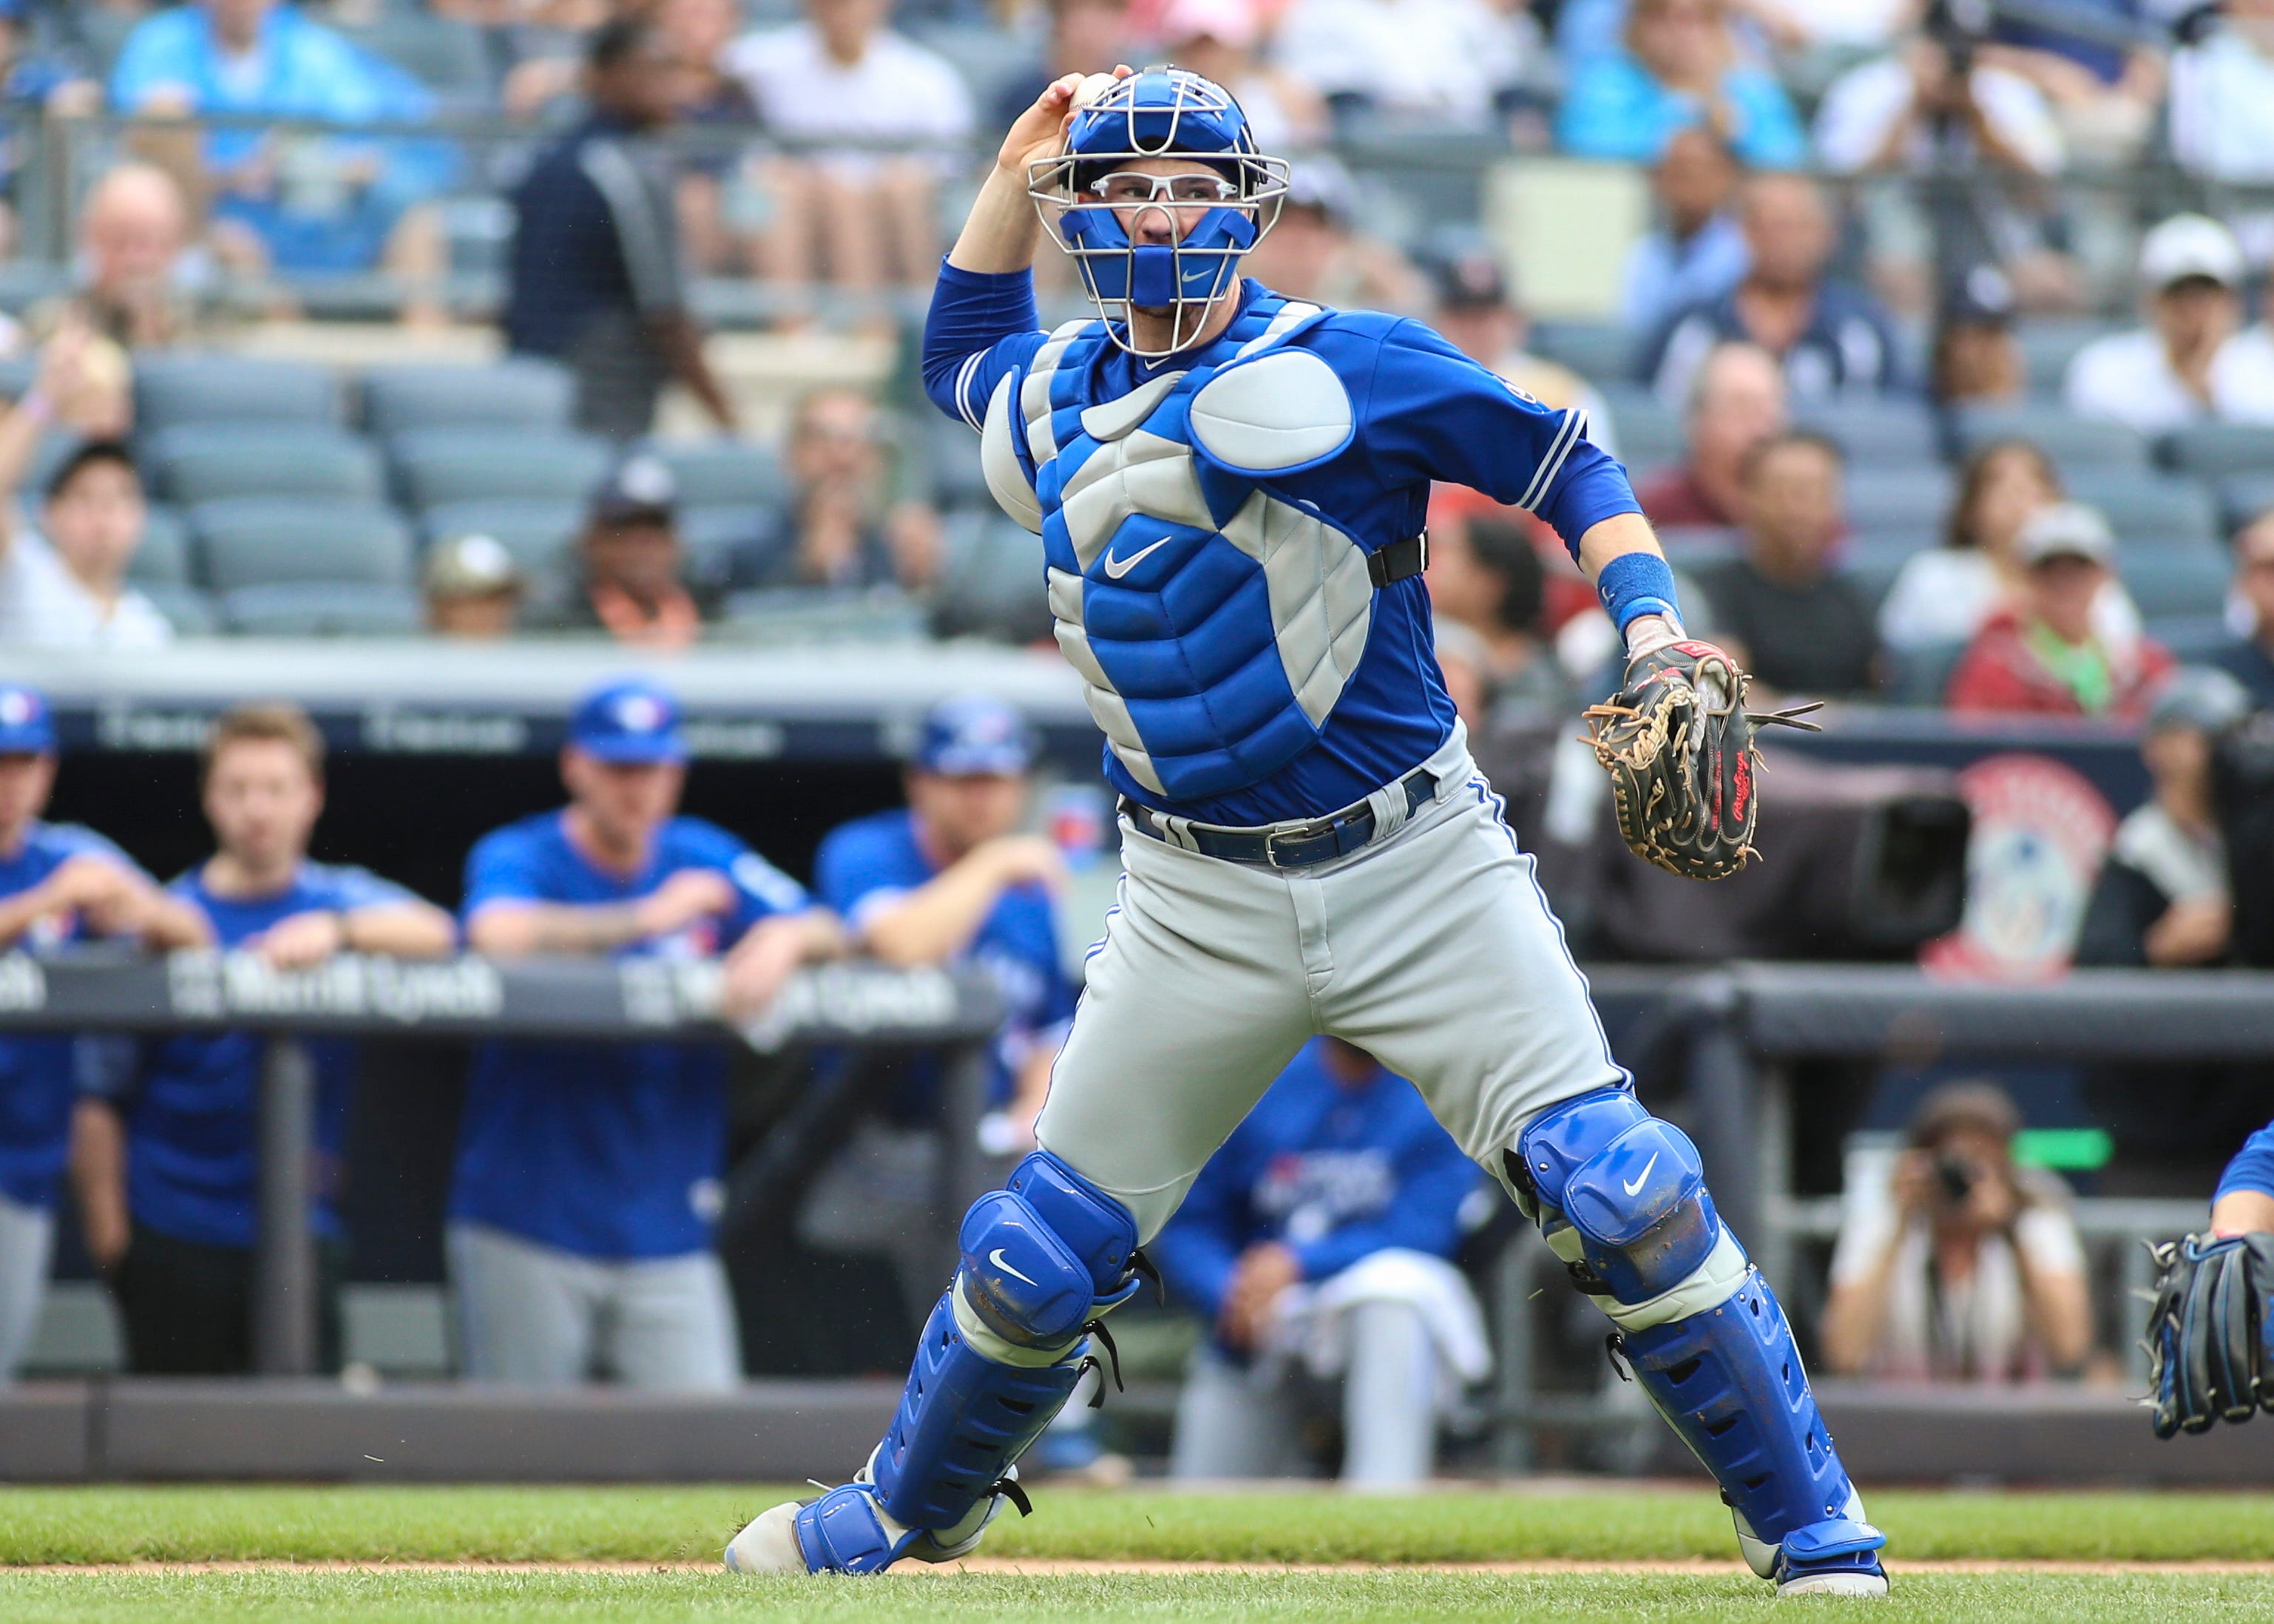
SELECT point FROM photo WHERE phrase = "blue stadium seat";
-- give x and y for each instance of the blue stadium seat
(724, 542)
(461, 464)
(2175, 578)
(443, 53)
(322, 609)
(188, 610)
(1921, 676)
(733, 473)
(163, 557)
(2194, 639)
(1877, 433)
(2147, 507)
(170, 390)
(522, 392)
(1873, 563)
(1900, 501)
(212, 462)
(1597, 350)
(2214, 450)
(538, 531)
(2049, 343)
(2073, 442)
(264, 541)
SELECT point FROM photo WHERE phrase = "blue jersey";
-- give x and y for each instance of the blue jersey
(609, 1150)
(869, 863)
(2253, 1166)
(1207, 523)
(36, 1075)
(1337, 1172)
(193, 1111)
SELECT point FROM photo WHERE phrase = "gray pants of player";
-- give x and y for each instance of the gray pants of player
(1241, 1421)
(1433, 950)
(27, 1237)
(538, 1317)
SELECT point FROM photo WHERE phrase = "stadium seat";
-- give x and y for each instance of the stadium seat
(1921, 676)
(2175, 578)
(1649, 437)
(437, 465)
(538, 531)
(991, 582)
(2147, 507)
(1878, 433)
(2243, 498)
(2193, 639)
(443, 53)
(1597, 350)
(263, 541)
(732, 473)
(521, 392)
(2214, 450)
(1872, 564)
(163, 557)
(188, 610)
(1897, 501)
(2071, 441)
(724, 542)
(213, 462)
(778, 615)
(957, 479)
(322, 609)
(170, 390)
(2048, 345)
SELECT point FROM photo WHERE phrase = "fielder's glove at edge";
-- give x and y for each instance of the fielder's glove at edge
(2208, 1334)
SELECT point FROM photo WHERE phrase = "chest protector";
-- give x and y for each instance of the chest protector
(1214, 623)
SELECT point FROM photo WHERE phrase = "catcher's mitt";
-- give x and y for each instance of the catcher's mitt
(2210, 1335)
(1678, 744)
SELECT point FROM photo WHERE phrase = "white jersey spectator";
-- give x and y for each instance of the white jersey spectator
(1450, 57)
(895, 91)
(1870, 108)
(63, 586)
(2222, 97)
(2189, 363)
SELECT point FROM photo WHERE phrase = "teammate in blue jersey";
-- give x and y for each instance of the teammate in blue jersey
(1318, 1237)
(588, 1175)
(1229, 487)
(168, 1162)
(950, 879)
(2244, 1204)
(59, 883)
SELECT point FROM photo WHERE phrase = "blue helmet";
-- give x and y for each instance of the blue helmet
(1162, 112)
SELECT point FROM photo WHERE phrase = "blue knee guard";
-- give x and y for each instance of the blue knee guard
(1042, 1257)
(1621, 1197)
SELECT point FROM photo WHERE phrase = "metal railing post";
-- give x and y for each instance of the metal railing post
(284, 1274)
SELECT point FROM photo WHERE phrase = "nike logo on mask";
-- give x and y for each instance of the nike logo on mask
(997, 1258)
(1115, 568)
(1630, 1189)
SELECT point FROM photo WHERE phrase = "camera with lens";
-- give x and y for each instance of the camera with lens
(1953, 1176)
(1960, 27)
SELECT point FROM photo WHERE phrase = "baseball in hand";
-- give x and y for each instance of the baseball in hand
(1093, 86)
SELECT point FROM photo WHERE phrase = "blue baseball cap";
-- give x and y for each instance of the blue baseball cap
(629, 720)
(28, 727)
(974, 734)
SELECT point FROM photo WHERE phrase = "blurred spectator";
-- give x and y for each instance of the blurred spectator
(2251, 662)
(2222, 96)
(1086, 36)
(632, 580)
(845, 529)
(697, 32)
(2188, 364)
(1478, 315)
(866, 217)
(2047, 653)
(1681, 65)
(136, 286)
(291, 199)
(1964, 1267)
(59, 883)
(1217, 39)
(596, 280)
(473, 588)
(1843, 25)
(1485, 578)
(1833, 338)
(536, 46)
(1737, 401)
(588, 1173)
(1804, 626)
(2107, 98)
(1977, 360)
(1448, 60)
(1318, 252)
(166, 1155)
(64, 585)
(1465, 663)
(2163, 897)
(1696, 253)
(1317, 1242)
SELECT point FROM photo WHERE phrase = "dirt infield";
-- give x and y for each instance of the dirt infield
(1035, 1568)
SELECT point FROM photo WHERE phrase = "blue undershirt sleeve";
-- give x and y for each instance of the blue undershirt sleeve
(2253, 1166)
(980, 324)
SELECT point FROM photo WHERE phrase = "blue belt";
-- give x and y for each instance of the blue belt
(1286, 846)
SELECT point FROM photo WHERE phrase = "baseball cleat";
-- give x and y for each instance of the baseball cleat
(769, 1545)
(1834, 1558)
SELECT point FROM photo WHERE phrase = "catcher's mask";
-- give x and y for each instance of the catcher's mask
(1163, 112)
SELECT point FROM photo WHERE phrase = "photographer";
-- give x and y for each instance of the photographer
(1963, 1267)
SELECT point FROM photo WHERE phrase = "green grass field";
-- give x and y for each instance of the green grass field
(97, 1530)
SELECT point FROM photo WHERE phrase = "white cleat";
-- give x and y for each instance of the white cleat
(769, 1545)
(1834, 1584)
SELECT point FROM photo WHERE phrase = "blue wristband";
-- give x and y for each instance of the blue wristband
(1635, 584)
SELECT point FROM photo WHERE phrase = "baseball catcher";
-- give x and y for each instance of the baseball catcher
(2211, 1334)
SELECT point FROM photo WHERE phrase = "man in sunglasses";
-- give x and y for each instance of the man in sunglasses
(1229, 487)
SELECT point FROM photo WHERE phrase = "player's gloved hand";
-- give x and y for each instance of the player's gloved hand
(1678, 743)
(2210, 1335)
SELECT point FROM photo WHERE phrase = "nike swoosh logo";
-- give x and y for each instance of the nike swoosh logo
(1630, 1189)
(1115, 568)
(996, 1258)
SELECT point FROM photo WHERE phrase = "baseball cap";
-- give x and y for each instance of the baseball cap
(1470, 277)
(1228, 22)
(2187, 246)
(472, 566)
(631, 719)
(27, 728)
(974, 734)
(639, 490)
(2066, 529)
(2202, 697)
